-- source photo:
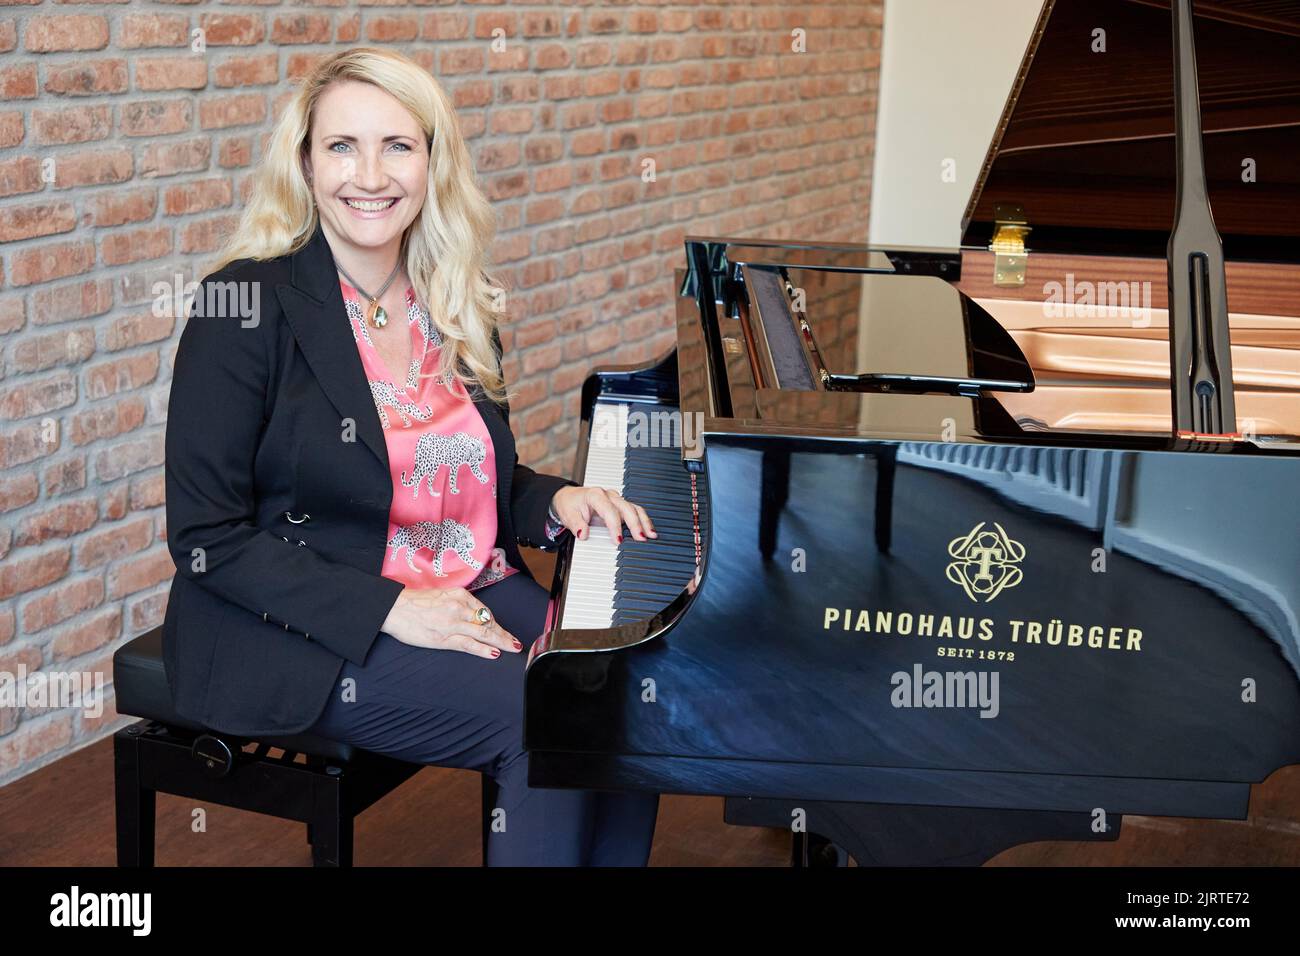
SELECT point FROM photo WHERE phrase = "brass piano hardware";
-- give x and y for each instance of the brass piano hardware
(732, 346)
(1008, 245)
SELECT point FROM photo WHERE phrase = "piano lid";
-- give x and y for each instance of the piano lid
(1085, 144)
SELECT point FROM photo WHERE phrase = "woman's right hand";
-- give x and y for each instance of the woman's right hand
(443, 618)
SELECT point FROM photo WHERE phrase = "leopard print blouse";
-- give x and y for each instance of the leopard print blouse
(442, 524)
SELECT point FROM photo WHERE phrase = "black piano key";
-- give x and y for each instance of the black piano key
(650, 574)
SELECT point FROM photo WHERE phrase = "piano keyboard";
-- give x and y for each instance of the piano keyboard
(611, 583)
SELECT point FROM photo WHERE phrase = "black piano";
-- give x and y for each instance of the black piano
(955, 552)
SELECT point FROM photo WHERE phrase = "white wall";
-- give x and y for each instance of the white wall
(946, 69)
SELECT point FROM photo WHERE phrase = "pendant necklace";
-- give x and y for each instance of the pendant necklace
(375, 313)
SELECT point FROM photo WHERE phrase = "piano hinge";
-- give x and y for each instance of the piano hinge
(1008, 246)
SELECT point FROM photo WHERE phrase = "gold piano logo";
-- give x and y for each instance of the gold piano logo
(985, 563)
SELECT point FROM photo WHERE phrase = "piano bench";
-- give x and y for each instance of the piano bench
(164, 752)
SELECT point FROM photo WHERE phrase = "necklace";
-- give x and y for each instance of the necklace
(375, 313)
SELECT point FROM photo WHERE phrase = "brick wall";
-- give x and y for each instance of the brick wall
(125, 151)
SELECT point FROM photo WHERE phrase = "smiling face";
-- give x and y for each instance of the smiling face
(369, 167)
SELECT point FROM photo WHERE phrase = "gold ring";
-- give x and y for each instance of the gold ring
(482, 616)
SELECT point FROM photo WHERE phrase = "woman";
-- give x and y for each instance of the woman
(343, 492)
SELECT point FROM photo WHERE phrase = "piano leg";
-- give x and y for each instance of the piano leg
(886, 460)
(889, 835)
(812, 851)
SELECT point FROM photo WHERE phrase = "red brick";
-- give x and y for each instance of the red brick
(444, 25)
(57, 34)
(253, 70)
(39, 352)
(136, 245)
(113, 542)
(136, 574)
(34, 740)
(12, 129)
(122, 206)
(129, 457)
(21, 574)
(153, 30)
(46, 263)
(87, 78)
(64, 477)
(168, 159)
(206, 235)
(232, 29)
(148, 492)
(20, 175)
(98, 631)
(18, 82)
(141, 329)
(107, 420)
(235, 151)
(157, 117)
(121, 374)
(60, 603)
(77, 300)
(39, 396)
(18, 490)
(147, 613)
(93, 168)
(391, 29)
(235, 109)
(171, 73)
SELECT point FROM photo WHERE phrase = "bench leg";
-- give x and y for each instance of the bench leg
(330, 829)
(135, 805)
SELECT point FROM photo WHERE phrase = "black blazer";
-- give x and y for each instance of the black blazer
(278, 492)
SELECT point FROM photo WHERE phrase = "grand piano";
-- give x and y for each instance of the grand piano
(961, 549)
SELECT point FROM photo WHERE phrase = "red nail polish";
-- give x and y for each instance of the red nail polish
(496, 652)
(518, 646)
(620, 537)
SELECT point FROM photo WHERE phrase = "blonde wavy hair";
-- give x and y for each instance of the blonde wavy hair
(445, 247)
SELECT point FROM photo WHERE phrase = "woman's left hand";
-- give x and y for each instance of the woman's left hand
(576, 505)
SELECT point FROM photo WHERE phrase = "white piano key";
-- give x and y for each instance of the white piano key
(590, 590)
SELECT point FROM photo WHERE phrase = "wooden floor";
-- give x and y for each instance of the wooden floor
(62, 815)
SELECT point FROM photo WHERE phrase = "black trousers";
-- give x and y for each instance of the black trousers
(451, 709)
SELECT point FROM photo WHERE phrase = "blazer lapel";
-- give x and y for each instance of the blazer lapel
(313, 305)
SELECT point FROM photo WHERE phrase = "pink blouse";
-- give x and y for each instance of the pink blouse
(442, 525)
